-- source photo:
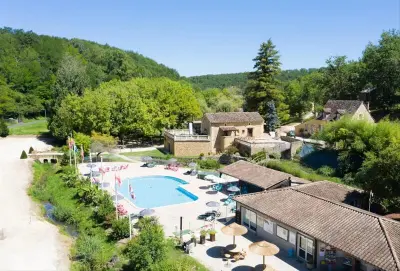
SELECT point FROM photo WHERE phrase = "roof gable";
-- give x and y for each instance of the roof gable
(234, 117)
(367, 236)
(343, 106)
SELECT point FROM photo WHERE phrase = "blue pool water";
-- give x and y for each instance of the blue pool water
(156, 191)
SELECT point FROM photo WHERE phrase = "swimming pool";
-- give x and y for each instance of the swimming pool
(156, 191)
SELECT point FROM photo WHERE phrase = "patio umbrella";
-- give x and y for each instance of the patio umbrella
(213, 204)
(210, 177)
(264, 248)
(218, 180)
(146, 212)
(95, 173)
(233, 189)
(172, 161)
(147, 159)
(235, 230)
(91, 165)
(192, 165)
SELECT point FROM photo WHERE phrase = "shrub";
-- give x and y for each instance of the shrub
(89, 251)
(100, 142)
(259, 156)
(209, 164)
(23, 155)
(31, 150)
(326, 171)
(105, 213)
(148, 247)
(82, 140)
(120, 229)
(274, 155)
(4, 131)
(231, 150)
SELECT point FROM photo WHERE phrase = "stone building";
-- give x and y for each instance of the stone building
(334, 110)
(217, 132)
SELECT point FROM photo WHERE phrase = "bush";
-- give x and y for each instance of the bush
(31, 150)
(89, 250)
(259, 156)
(231, 150)
(82, 140)
(4, 131)
(120, 229)
(23, 155)
(148, 248)
(326, 171)
(209, 164)
(101, 143)
(275, 155)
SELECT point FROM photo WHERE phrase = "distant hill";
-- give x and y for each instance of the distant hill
(240, 79)
(34, 66)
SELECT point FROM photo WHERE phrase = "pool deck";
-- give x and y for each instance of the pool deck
(169, 217)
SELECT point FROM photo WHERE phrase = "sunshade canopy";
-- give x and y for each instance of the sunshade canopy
(264, 248)
(212, 204)
(146, 212)
(234, 229)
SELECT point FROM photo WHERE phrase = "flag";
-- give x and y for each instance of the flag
(117, 179)
(75, 148)
(71, 142)
(131, 192)
(101, 170)
(82, 153)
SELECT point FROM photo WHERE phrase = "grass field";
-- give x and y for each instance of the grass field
(152, 153)
(30, 127)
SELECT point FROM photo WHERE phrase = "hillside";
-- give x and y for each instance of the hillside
(33, 67)
(240, 79)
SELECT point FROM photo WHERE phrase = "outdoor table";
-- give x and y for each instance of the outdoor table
(227, 256)
(233, 249)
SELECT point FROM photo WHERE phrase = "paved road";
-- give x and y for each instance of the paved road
(27, 242)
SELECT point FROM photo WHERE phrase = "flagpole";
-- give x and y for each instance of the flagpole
(69, 147)
(130, 227)
(91, 175)
(102, 172)
(116, 200)
(75, 157)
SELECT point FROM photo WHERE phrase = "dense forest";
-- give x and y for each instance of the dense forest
(36, 70)
(239, 80)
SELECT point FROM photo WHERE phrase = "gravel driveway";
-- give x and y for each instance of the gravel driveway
(27, 241)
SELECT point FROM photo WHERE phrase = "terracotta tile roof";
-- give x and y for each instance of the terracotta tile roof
(367, 236)
(331, 191)
(337, 108)
(254, 174)
(231, 117)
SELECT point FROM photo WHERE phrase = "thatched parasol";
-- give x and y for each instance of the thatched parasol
(235, 230)
(264, 248)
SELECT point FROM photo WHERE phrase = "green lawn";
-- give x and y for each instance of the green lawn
(296, 169)
(31, 127)
(152, 153)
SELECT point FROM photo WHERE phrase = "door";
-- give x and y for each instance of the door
(306, 248)
(250, 132)
(249, 219)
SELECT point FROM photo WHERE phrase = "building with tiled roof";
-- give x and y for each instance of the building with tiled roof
(334, 110)
(257, 178)
(311, 222)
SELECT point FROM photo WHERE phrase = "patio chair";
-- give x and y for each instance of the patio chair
(206, 215)
(151, 165)
(193, 172)
(210, 218)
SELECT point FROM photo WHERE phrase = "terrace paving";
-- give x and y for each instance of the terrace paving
(169, 217)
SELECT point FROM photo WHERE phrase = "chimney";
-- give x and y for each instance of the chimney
(290, 181)
(367, 105)
(190, 128)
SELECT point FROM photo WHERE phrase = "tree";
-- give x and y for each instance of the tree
(3, 128)
(271, 116)
(71, 78)
(23, 155)
(148, 248)
(383, 68)
(262, 84)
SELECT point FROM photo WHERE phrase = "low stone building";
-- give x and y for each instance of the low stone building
(334, 110)
(314, 223)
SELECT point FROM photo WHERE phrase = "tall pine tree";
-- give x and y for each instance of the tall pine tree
(262, 84)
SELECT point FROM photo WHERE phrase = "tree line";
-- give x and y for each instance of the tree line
(37, 71)
(378, 69)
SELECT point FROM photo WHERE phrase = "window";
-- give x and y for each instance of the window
(250, 132)
(282, 233)
(306, 248)
(249, 219)
(243, 132)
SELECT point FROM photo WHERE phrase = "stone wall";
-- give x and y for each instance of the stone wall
(191, 148)
(295, 144)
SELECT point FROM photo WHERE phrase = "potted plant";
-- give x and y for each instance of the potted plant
(194, 239)
(310, 264)
(203, 234)
(212, 233)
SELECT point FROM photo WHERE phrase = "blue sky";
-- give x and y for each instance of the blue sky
(206, 37)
